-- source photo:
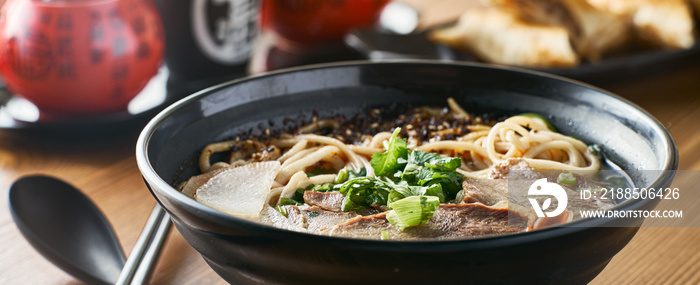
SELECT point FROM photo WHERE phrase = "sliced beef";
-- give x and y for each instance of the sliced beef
(316, 219)
(512, 181)
(492, 191)
(271, 216)
(369, 227)
(513, 166)
(450, 221)
(295, 216)
(496, 189)
(331, 201)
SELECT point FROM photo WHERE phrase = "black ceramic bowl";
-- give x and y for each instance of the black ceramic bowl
(243, 252)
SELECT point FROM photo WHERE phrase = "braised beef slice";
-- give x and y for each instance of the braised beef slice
(513, 166)
(448, 222)
(369, 227)
(495, 189)
(271, 216)
(316, 219)
(512, 181)
(492, 191)
(331, 201)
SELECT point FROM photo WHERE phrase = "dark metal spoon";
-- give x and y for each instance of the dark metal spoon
(70, 231)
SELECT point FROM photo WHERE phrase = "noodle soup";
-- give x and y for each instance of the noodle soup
(424, 173)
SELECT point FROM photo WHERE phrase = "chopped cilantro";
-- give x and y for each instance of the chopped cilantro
(411, 183)
(388, 161)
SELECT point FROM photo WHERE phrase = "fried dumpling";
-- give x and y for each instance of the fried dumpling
(696, 5)
(661, 23)
(593, 31)
(619, 7)
(498, 36)
(665, 23)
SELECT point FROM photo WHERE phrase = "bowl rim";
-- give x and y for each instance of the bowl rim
(158, 184)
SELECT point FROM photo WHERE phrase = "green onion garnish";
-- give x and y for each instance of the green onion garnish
(385, 235)
(284, 201)
(595, 150)
(282, 210)
(412, 211)
(540, 118)
(566, 178)
(342, 176)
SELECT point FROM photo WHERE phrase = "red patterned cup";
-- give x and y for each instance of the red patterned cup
(80, 56)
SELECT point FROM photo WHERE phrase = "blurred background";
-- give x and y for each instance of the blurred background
(82, 77)
(119, 61)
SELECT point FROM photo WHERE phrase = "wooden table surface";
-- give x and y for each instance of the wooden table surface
(105, 169)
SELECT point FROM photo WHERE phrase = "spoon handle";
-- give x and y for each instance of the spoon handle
(146, 250)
